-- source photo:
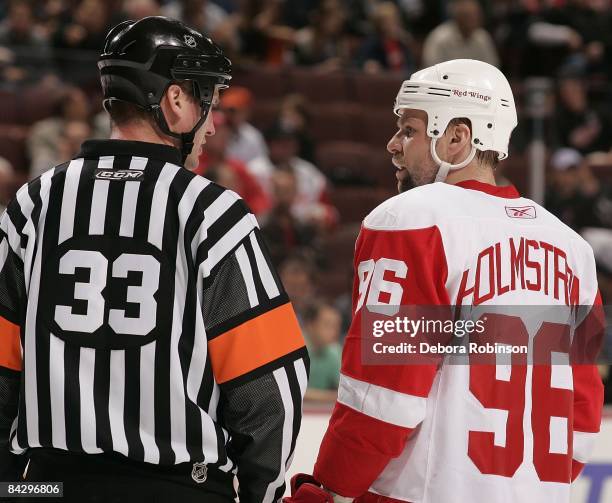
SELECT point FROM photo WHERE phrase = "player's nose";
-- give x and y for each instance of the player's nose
(393, 146)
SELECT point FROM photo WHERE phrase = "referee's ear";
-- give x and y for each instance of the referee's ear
(178, 107)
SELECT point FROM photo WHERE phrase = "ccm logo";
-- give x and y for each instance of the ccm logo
(521, 212)
(109, 174)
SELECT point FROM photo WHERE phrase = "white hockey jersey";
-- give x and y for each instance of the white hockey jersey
(435, 433)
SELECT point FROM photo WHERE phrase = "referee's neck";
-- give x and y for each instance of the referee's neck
(140, 131)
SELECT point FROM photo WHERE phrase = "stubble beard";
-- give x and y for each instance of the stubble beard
(417, 179)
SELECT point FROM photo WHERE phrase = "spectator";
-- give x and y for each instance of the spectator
(53, 13)
(43, 144)
(295, 118)
(321, 324)
(26, 51)
(583, 26)
(574, 195)
(311, 204)
(322, 42)
(461, 37)
(205, 16)
(78, 39)
(298, 275)
(580, 125)
(284, 233)
(389, 48)
(228, 172)
(137, 9)
(246, 142)
(262, 31)
(87, 28)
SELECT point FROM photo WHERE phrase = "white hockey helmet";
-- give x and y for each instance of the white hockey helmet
(462, 88)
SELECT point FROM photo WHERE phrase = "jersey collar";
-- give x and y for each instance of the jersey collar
(100, 148)
(508, 191)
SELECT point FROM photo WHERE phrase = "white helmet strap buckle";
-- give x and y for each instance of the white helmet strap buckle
(446, 167)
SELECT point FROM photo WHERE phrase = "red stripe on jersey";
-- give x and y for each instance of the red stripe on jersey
(577, 467)
(355, 450)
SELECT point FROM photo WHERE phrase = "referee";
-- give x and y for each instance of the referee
(148, 351)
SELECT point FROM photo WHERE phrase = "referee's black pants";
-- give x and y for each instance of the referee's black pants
(104, 478)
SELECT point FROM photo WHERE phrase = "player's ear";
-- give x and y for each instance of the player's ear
(460, 135)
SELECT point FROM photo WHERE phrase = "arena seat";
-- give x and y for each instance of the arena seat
(344, 162)
(264, 113)
(38, 103)
(376, 89)
(320, 87)
(354, 203)
(13, 148)
(264, 83)
(380, 169)
(339, 247)
(335, 122)
(9, 107)
(375, 125)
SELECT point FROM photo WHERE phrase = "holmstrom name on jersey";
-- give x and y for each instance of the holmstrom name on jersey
(525, 264)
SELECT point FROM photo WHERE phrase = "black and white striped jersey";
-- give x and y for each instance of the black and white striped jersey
(147, 319)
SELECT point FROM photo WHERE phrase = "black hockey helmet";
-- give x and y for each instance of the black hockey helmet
(141, 59)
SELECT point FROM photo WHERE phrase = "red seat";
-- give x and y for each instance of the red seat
(334, 122)
(380, 169)
(9, 107)
(320, 87)
(264, 113)
(13, 148)
(264, 83)
(376, 125)
(376, 89)
(38, 103)
(354, 203)
(344, 161)
(355, 163)
(338, 248)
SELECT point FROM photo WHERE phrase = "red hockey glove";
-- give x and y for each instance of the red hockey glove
(306, 489)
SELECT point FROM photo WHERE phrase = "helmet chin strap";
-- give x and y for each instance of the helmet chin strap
(186, 139)
(446, 167)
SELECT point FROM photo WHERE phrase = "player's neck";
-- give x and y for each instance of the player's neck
(139, 131)
(473, 171)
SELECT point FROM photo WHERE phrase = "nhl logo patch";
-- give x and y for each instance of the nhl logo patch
(189, 40)
(199, 472)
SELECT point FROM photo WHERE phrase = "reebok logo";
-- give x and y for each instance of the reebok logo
(521, 212)
(119, 174)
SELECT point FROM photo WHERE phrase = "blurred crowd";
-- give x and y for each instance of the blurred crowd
(49, 49)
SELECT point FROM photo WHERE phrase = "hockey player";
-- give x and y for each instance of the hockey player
(463, 433)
